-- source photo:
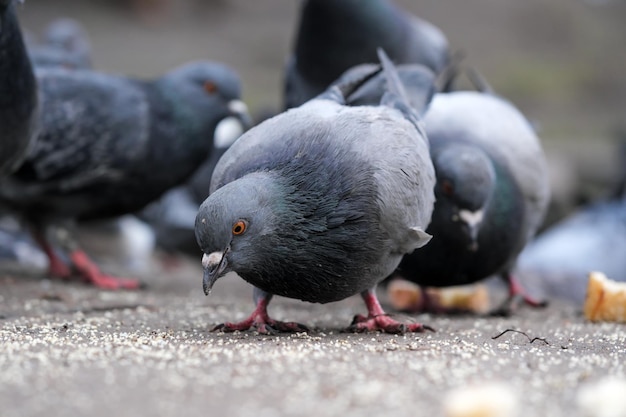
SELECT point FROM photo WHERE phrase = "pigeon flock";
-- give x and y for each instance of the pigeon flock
(376, 169)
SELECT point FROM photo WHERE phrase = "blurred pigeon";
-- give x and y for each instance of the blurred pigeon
(172, 219)
(335, 35)
(320, 203)
(18, 92)
(109, 145)
(173, 216)
(492, 192)
(65, 44)
(558, 262)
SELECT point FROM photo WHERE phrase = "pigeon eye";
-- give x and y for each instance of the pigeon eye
(209, 87)
(240, 227)
(447, 187)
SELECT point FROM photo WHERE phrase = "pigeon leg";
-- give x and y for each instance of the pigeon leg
(260, 320)
(56, 267)
(378, 320)
(92, 274)
(517, 295)
(80, 261)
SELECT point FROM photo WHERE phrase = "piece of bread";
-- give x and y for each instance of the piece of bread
(405, 295)
(605, 300)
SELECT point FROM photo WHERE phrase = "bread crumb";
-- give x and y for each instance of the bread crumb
(405, 295)
(605, 300)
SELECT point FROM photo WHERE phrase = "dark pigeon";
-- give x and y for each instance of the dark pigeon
(18, 93)
(492, 193)
(65, 44)
(320, 203)
(172, 217)
(109, 145)
(335, 35)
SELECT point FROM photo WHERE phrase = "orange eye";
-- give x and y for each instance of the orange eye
(240, 227)
(210, 87)
(447, 187)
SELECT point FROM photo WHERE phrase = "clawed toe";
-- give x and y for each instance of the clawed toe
(385, 324)
(262, 327)
(512, 304)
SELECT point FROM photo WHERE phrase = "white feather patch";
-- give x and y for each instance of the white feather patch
(227, 132)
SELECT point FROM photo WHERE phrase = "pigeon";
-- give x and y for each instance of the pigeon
(419, 83)
(172, 217)
(336, 35)
(18, 93)
(320, 203)
(593, 238)
(109, 145)
(169, 216)
(492, 193)
(65, 44)
(558, 262)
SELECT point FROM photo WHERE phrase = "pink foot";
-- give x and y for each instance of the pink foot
(517, 296)
(378, 320)
(261, 321)
(385, 324)
(92, 274)
(56, 267)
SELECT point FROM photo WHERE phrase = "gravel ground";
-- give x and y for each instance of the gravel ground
(70, 350)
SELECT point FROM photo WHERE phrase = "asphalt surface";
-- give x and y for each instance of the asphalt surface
(70, 350)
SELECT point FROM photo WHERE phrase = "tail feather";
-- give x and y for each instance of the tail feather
(396, 96)
(341, 91)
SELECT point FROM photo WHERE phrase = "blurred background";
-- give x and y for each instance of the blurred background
(562, 62)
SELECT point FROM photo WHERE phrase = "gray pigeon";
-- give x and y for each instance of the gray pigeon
(335, 35)
(492, 192)
(65, 44)
(419, 84)
(18, 92)
(170, 215)
(109, 145)
(320, 203)
(558, 262)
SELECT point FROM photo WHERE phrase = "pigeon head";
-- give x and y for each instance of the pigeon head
(233, 223)
(205, 93)
(466, 179)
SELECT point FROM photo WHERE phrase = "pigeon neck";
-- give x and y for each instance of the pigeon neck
(195, 121)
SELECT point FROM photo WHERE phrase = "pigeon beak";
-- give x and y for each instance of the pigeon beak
(227, 132)
(215, 265)
(472, 220)
(239, 110)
